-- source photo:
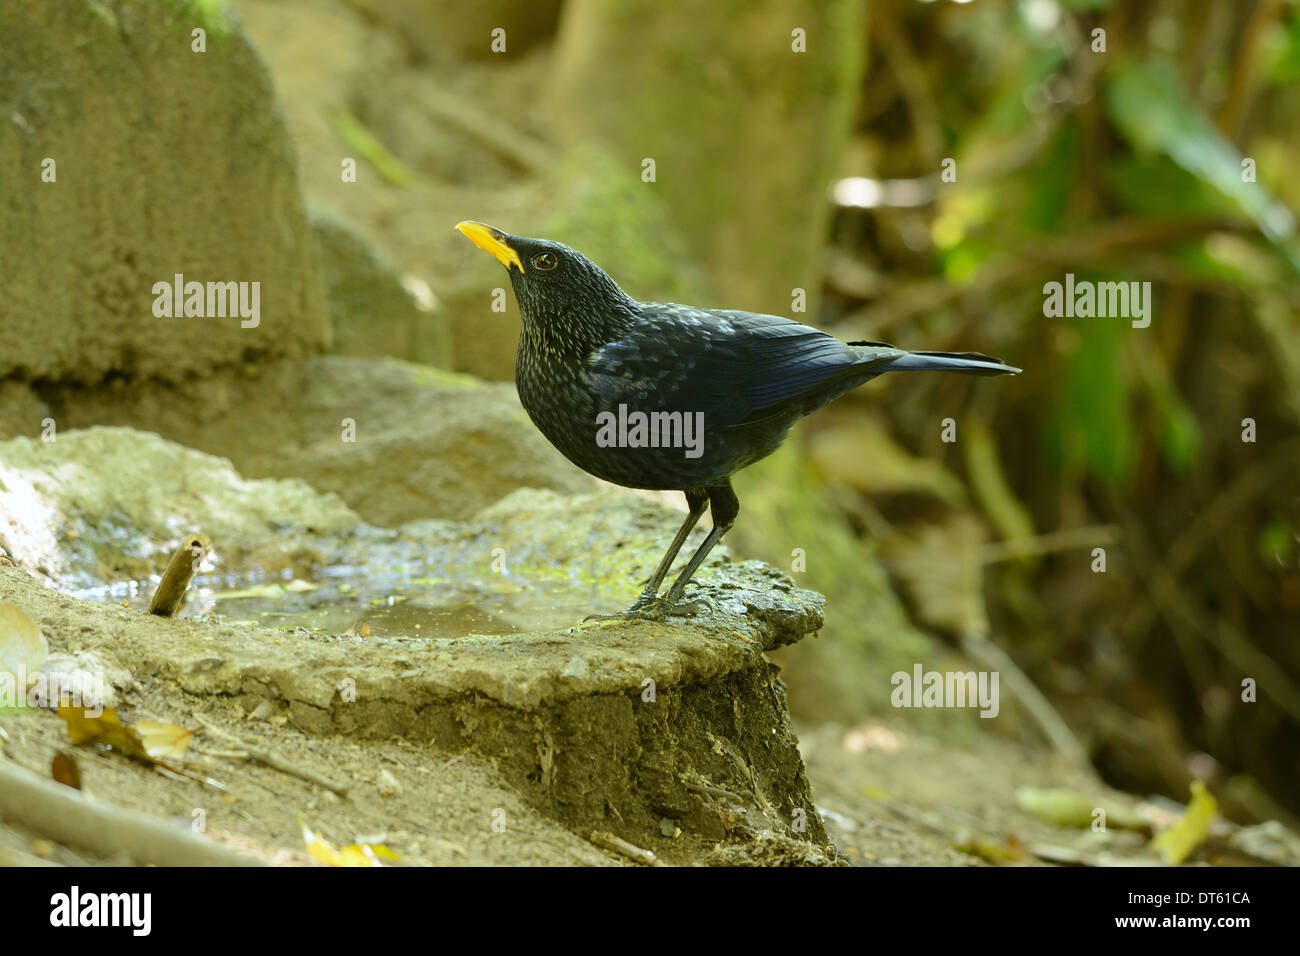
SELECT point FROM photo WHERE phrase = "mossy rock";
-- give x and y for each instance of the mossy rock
(132, 158)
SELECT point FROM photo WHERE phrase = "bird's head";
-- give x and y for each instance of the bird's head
(559, 289)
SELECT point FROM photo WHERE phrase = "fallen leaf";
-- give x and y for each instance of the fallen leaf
(365, 854)
(1177, 843)
(997, 852)
(1270, 842)
(872, 736)
(859, 453)
(106, 730)
(23, 648)
(1071, 808)
(163, 739)
(64, 769)
(356, 854)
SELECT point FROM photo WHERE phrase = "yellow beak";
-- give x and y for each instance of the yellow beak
(491, 240)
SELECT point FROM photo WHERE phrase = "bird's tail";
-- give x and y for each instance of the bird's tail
(972, 363)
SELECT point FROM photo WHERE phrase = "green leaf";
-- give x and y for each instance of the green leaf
(1051, 180)
(1157, 186)
(1091, 428)
(1275, 542)
(1180, 433)
(1148, 105)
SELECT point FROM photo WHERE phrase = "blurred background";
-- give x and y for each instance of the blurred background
(893, 170)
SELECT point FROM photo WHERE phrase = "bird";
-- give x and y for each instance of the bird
(662, 396)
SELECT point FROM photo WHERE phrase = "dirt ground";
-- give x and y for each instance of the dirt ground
(906, 807)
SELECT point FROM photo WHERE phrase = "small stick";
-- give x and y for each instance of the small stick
(607, 841)
(70, 816)
(710, 790)
(274, 761)
(170, 595)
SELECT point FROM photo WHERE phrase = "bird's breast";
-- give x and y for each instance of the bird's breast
(628, 431)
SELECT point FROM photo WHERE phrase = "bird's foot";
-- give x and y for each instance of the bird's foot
(650, 610)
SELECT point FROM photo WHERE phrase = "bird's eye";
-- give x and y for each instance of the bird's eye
(546, 261)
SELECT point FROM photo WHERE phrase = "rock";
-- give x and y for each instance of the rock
(166, 161)
(371, 312)
(428, 443)
(713, 751)
(686, 715)
(626, 228)
(102, 505)
(471, 135)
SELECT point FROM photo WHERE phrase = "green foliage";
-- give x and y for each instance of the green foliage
(1275, 542)
(1155, 185)
(1050, 180)
(1179, 430)
(1282, 51)
(1148, 105)
(1090, 429)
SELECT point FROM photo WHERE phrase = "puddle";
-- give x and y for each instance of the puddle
(355, 600)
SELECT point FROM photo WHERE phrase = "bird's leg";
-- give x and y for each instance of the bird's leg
(697, 499)
(725, 507)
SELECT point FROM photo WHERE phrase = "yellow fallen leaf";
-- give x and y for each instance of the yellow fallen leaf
(105, 729)
(163, 739)
(365, 854)
(997, 852)
(1177, 843)
(22, 645)
(357, 854)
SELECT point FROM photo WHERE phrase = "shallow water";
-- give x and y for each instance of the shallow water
(357, 600)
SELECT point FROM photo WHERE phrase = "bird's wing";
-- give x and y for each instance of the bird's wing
(736, 367)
